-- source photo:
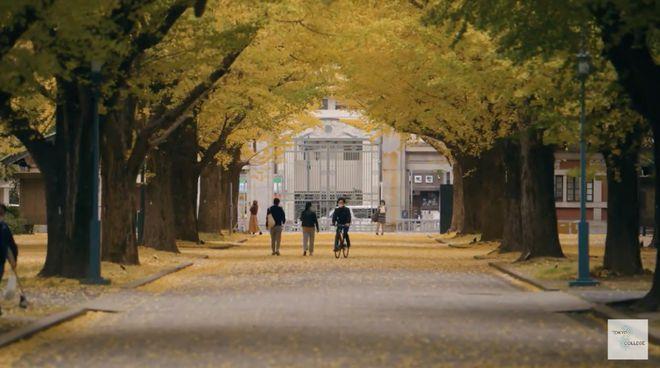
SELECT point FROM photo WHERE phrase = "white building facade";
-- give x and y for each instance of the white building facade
(336, 159)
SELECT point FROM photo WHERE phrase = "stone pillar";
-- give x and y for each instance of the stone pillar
(260, 183)
(392, 166)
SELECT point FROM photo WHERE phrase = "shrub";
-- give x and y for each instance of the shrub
(14, 220)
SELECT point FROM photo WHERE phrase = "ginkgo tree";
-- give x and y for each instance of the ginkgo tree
(159, 97)
(627, 35)
(259, 97)
(419, 80)
(47, 49)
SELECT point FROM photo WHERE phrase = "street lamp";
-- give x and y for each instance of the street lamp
(583, 277)
(141, 214)
(94, 269)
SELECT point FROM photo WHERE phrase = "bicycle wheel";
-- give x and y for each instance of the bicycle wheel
(344, 250)
(340, 244)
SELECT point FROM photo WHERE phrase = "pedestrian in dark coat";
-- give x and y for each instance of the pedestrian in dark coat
(276, 215)
(7, 242)
(310, 223)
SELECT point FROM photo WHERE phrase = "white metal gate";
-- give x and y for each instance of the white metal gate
(323, 171)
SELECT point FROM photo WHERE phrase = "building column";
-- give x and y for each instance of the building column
(393, 187)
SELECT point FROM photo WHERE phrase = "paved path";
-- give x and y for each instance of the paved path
(400, 301)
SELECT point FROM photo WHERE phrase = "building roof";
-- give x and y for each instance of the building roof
(333, 129)
(23, 158)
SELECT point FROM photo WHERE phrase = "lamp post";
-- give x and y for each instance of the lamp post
(94, 269)
(583, 277)
(141, 215)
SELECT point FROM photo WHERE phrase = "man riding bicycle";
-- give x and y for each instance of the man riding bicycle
(342, 219)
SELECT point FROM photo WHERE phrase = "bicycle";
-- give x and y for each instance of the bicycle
(343, 248)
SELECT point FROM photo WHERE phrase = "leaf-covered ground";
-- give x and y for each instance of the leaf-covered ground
(556, 272)
(398, 300)
(54, 294)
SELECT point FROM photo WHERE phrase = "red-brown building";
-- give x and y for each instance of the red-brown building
(567, 191)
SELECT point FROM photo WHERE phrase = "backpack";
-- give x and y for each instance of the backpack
(270, 221)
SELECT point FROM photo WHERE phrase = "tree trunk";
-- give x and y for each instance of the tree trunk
(209, 200)
(491, 206)
(629, 52)
(234, 174)
(458, 205)
(512, 227)
(472, 190)
(228, 198)
(119, 210)
(651, 300)
(466, 215)
(182, 148)
(66, 167)
(229, 181)
(119, 188)
(538, 213)
(67, 253)
(159, 230)
(622, 253)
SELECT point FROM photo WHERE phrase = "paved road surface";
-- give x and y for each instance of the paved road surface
(397, 301)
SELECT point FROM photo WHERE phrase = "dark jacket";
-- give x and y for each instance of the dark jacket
(308, 219)
(254, 210)
(278, 215)
(341, 216)
(6, 242)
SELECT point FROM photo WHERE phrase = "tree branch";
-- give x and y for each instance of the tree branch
(167, 122)
(35, 142)
(21, 22)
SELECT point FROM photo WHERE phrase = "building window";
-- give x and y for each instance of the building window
(242, 185)
(429, 201)
(559, 188)
(573, 190)
(447, 178)
(429, 179)
(324, 104)
(352, 152)
(14, 193)
(277, 185)
(417, 179)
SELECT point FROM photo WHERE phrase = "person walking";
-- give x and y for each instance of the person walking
(253, 226)
(310, 224)
(7, 244)
(381, 217)
(275, 218)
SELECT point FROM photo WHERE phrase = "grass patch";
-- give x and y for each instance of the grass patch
(556, 272)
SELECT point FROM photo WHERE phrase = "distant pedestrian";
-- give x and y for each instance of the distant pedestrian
(275, 219)
(7, 244)
(310, 225)
(253, 227)
(381, 218)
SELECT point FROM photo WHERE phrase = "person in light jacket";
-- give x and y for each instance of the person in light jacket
(310, 225)
(253, 227)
